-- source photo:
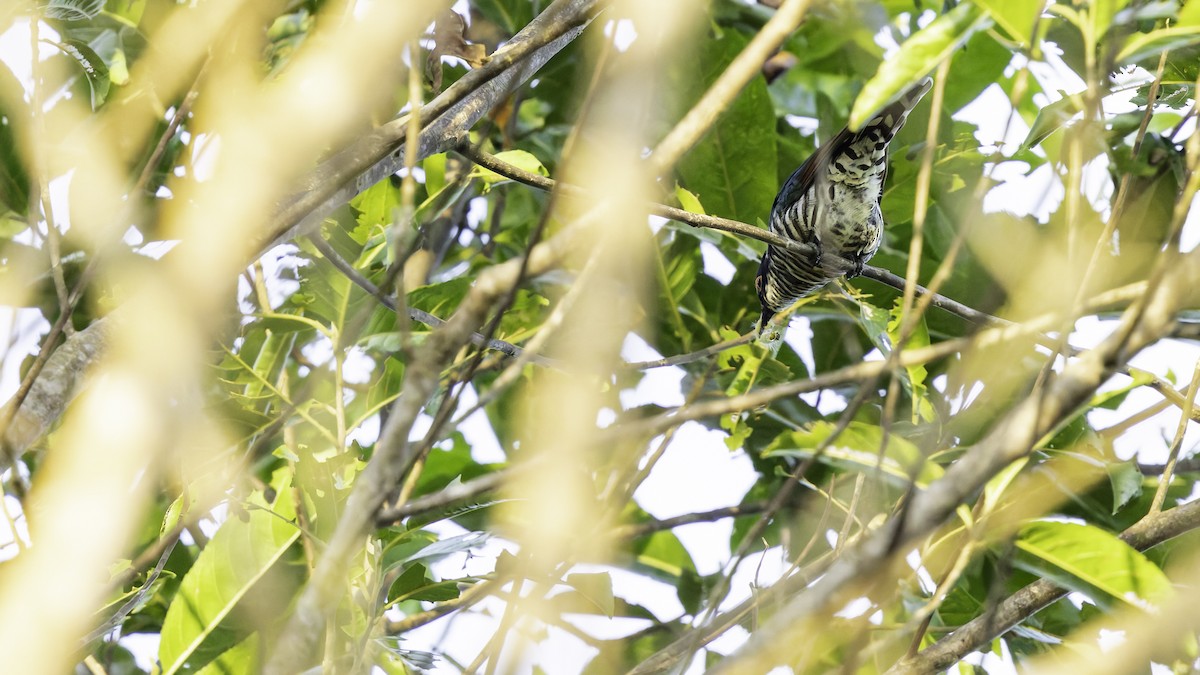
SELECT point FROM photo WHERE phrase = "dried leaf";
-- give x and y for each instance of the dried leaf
(449, 40)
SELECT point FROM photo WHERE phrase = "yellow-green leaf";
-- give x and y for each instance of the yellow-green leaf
(1016, 17)
(858, 448)
(1145, 45)
(518, 158)
(1091, 561)
(919, 54)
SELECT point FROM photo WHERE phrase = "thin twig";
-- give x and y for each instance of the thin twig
(1164, 482)
(493, 163)
(478, 339)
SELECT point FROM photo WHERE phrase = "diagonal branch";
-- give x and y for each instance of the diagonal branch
(493, 163)
(446, 120)
(978, 632)
(1010, 439)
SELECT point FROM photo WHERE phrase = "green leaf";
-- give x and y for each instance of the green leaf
(73, 10)
(196, 629)
(415, 584)
(1091, 561)
(1016, 17)
(922, 409)
(375, 207)
(732, 168)
(14, 181)
(440, 549)
(688, 201)
(435, 173)
(440, 299)
(1111, 400)
(518, 158)
(93, 67)
(1126, 481)
(919, 55)
(597, 588)
(1145, 45)
(1052, 117)
(857, 448)
(663, 551)
(242, 659)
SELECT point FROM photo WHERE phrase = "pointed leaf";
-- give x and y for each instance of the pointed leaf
(239, 554)
(857, 448)
(732, 169)
(919, 55)
(1091, 561)
(597, 588)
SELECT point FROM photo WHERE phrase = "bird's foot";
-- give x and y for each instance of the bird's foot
(815, 255)
(857, 270)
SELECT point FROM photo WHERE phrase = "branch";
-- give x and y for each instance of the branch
(394, 454)
(446, 120)
(1010, 439)
(697, 355)
(53, 389)
(443, 498)
(978, 632)
(493, 163)
(746, 66)
(477, 339)
(469, 597)
(639, 530)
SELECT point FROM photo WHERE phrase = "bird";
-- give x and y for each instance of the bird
(832, 203)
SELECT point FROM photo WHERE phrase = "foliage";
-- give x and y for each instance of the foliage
(520, 505)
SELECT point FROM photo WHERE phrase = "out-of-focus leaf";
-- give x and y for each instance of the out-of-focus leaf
(1145, 45)
(1091, 561)
(129, 10)
(73, 10)
(93, 68)
(919, 54)
(596, 587)
(195, 629)
(858, 448)
(1102, 13)
(1189, 15)
(1016, 17)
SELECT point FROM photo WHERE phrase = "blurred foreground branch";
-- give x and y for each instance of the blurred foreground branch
(975, 634)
